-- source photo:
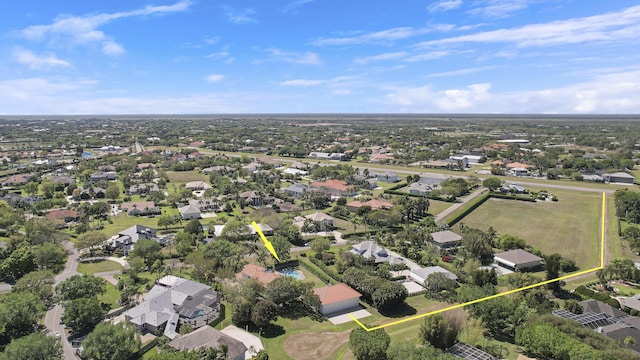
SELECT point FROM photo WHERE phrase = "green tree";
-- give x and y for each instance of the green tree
(223, 253)
(282, 247)
(290, 232)
(439, 331)
(193, 227)
(79, 286)
(34, 346)
(19, 315)
(369, 345)
(50, 256)
(285, 290)
(83, 314)
(147, 249)
(39, 283)
(31, 188)
(320, 245)
(553, 265)
(112, 342)
(409, 351)
(112, 191)
(90, 239)
(510, 242)
(20, 262)
(492, 183)
(263, 313)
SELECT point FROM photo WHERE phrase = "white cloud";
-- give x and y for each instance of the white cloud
(112, 48)
(384, 36)
(501, 8)
(302, 82)
(33, 61)
(81, 30)
(444, 5)
(295, 5)
(462, 71)
(614, 93)
(214, 78)
(380, 57)
(218, 55)
(607, 28)
(244, 16)
(293, 57)
(428, 56)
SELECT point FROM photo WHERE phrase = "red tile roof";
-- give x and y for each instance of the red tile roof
(257, 272)
(336, 293)
(333, 184)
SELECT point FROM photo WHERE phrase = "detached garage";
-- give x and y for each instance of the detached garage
(337, 298)
(517, 260)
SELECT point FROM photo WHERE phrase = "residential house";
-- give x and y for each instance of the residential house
(517, 260)
(513, 188)
(249, 230)
(296, 190)
(295, 172)
(251, 271)
(143, 189)
(189, 212)
(130, 207)
(388, 176)
(205, 204)
(175, 301)
(334, 188)
(255, 199)
(619, 177)
(16, 180)
(380, 158)
(457, 161)
(337, 298)
(378, 254)
(323, 221)
(197, 185)
(63, 179)
(374, 204)
(208, 337)
(419, 188)
(127, 238)
(218, 169)
(421, 275)
(518, 169)
(446, 239)
(144, 166)
(621, 332)
(92, 192)
(252, 166)
(65, 215)
(102, 176)
(319, 155)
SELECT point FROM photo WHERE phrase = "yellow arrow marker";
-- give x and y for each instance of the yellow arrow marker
(267, 243)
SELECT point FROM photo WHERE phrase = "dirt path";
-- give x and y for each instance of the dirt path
(317, 346)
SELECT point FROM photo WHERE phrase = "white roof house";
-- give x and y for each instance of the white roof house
(420, 275)
(516, 260)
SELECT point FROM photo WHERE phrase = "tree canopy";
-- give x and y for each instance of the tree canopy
(111, 342)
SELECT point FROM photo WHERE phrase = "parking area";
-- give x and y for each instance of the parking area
(344, 317)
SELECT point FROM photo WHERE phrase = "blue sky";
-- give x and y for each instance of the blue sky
(321, 56)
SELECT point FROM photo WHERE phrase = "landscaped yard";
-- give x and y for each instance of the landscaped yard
(92, 267)
(436, 206)
(123, 221)
(111, 296)
(570, 227)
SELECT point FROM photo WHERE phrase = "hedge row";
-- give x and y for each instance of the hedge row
(402, 193)
(474, 205)
(586, 293)
(287, 264)
(332, 274)
(512, 197)
(317, 272)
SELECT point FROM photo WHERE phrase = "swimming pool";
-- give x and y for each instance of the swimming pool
(296, 274)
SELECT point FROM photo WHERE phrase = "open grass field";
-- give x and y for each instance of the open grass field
(111, 296)
(185, 176)
(123, 221)
(569, 227)
(92, 267)
(436, 207)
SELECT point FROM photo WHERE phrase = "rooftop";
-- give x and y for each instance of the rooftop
(336, 293)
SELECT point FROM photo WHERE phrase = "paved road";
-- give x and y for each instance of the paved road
(454, 207)
(54, 315)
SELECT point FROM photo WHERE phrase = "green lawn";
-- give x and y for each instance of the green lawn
(185, 177)
(111, 296)
(436, 206)
(570, 227)
(93, 267)
(123, 221)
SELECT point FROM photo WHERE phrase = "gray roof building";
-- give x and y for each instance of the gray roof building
(446, 239)
(208, 337)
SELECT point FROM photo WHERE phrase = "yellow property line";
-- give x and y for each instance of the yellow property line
(509, 292)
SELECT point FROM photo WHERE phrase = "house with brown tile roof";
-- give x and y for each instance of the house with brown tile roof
(63, 214)
(335, 188)
(375, 204)
(251, 271)
(337, 298)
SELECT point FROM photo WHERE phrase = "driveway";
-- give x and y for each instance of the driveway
(53, 317)
(252, 342)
